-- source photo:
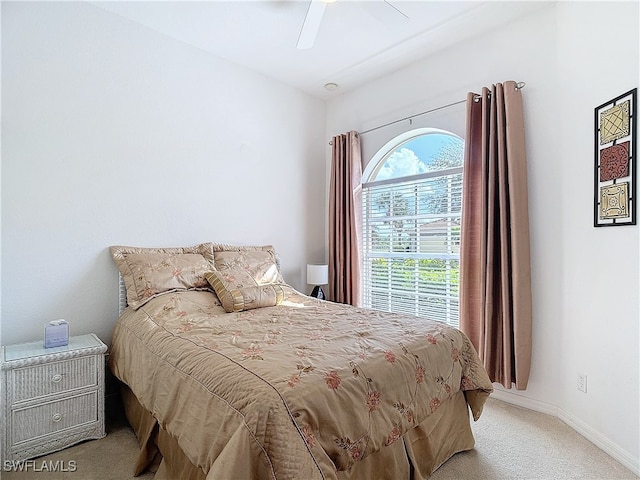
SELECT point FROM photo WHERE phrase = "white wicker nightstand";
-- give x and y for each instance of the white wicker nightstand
(51, 397)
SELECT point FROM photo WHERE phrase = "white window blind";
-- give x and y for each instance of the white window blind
(411, 254)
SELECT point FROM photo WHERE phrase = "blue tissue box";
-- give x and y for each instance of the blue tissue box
(56, 334)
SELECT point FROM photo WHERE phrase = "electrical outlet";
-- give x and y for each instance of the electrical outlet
(582, 382)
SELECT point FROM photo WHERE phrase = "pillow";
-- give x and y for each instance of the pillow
(259, 262)
(237, 290)
(149, 272)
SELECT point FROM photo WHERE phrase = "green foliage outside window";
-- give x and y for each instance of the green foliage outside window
(405, 274)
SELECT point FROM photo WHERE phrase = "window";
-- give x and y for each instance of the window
(412, 198)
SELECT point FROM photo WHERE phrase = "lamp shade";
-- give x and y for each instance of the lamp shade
(317, 274)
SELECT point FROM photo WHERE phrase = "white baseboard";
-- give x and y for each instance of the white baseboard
(521, 401)
(602, 442)
(595, 437)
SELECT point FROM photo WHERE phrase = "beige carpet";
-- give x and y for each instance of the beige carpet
(511, 443)
(517, 443)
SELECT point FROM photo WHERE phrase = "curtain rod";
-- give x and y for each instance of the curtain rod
(519, 86)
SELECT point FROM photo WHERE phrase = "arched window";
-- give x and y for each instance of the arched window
(412, 198)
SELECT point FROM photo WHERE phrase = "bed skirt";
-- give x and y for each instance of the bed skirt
(423, 449)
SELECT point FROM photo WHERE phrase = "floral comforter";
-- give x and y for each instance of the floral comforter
(307, 388)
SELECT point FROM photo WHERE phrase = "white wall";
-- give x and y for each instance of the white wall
(559, 52)
(600, 310)
(115, 134)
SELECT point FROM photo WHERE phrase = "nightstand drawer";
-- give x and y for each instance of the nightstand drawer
(45, 418)
(55, 377)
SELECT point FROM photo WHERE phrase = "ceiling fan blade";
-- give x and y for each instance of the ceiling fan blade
(386, 13)
(311, 24)
(397, 10)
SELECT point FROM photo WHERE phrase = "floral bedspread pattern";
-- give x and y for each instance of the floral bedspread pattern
(347, 382)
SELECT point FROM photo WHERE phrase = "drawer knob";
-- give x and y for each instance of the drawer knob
(57, 378)
(56, 417)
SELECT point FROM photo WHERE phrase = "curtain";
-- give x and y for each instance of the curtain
(495, 273)
(345, 219)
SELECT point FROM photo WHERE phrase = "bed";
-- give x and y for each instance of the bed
(229, 373)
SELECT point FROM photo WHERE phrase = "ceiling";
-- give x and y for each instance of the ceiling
(357, 41)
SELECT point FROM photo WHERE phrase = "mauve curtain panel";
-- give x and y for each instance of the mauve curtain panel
(345, 219)
(495, 272)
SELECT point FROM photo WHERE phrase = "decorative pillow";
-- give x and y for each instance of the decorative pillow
(237, 290)
(149, 272)
(259, 262)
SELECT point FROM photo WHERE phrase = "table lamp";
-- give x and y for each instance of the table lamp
(318, 275)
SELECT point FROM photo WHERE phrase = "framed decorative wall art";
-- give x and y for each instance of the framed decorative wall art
(615, 162)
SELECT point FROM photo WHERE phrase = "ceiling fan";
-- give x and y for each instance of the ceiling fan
(313, 18)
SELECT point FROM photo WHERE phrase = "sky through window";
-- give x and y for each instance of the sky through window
(421, 154)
